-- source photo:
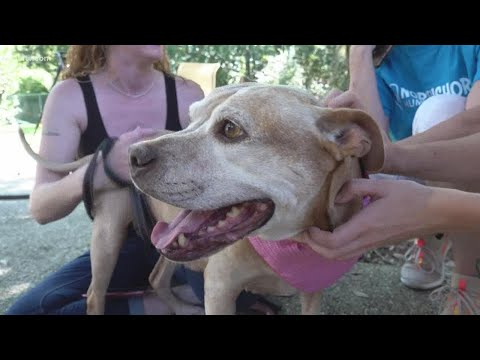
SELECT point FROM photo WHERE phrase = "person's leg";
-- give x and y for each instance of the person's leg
(59, 289)
(425, 261)
(464, 289)
(62, 292)
(247, 302)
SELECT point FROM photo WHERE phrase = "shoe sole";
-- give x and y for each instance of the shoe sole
(429, 286)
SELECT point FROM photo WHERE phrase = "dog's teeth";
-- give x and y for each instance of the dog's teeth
(234, 212)
(182, 240)
(221, 223)
(202, 232)
(210, 229)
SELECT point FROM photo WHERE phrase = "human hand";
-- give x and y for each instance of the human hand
(349, 99)
(342, 99)
(398, 210)
(118, 159)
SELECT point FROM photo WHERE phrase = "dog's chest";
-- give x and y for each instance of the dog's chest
(300, 266)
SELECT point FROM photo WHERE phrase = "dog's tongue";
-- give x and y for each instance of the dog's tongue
(187, 221)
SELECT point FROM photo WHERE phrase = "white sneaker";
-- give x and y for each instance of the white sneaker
(424, 266)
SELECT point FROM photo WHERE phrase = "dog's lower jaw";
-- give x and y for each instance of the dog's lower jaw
(285, 223)
(196, 234)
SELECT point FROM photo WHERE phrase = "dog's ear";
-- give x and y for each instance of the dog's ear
(351, 133)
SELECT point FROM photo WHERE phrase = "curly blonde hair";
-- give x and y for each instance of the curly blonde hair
(87, 59)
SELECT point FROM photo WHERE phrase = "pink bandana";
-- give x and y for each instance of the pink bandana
(299, 265)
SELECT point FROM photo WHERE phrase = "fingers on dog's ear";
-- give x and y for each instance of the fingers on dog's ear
(359, 188)
(345, 100)
(355, 133)
(330, 96)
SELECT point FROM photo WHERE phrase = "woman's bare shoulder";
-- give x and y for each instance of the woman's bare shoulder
(66, 98)
(189, 90)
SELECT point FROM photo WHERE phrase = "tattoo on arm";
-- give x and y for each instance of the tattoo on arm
(51, 133)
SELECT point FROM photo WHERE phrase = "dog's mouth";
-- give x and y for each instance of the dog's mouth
(195, 234)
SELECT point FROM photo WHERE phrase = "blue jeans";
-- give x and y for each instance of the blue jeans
(61, 292)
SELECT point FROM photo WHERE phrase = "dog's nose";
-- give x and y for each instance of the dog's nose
(141, 157)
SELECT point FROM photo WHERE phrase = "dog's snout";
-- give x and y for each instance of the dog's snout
(141, 157)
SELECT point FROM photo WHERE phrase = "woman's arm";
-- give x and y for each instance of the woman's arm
(363, 82)
(399, 210)
(453, 160)
(55, 195)
(446, 152)
(460, 125)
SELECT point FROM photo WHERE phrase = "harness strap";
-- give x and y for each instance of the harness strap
(87, 185)
(108, 171)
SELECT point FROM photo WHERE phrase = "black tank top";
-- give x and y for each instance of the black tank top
(95, 132)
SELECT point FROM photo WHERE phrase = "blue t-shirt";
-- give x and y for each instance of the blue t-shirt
(412, 73)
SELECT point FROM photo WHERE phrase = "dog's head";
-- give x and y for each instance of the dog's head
(255, 159)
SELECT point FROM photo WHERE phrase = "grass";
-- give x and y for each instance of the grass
(29, 129)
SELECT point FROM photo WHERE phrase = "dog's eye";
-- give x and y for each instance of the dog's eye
(232, 130)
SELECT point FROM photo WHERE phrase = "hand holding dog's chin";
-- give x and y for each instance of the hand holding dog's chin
(399, 210)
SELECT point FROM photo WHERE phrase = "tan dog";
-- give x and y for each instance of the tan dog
(113, 212)
(255, 160)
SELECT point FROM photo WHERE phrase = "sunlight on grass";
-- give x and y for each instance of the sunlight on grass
(4, 271)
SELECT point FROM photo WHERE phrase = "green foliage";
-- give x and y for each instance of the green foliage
(39, 56)
(26, 70)
(31, 106)
(236, 61)
(29, 85)
(324, 65)
(320, 67)
(31, 69)
(31, 98)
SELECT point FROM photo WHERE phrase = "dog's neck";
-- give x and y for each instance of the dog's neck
(327, 215)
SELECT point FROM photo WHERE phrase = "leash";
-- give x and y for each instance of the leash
(87, 185)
